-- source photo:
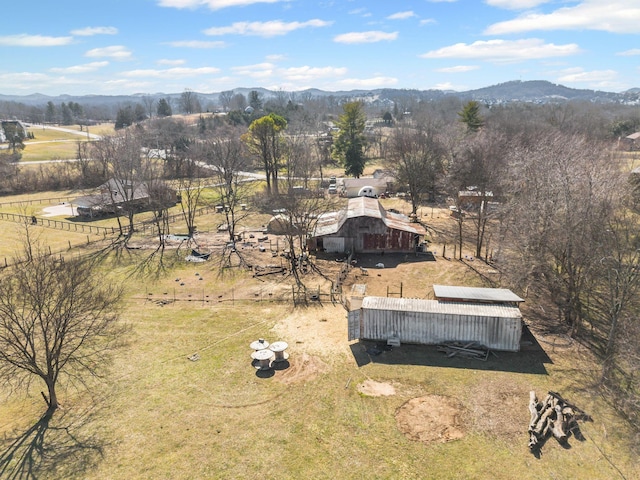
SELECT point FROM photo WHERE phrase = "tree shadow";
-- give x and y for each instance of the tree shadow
(56, 446)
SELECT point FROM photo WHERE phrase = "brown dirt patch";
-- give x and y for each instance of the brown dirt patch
(433, 418)
(372, 388)
(320, 331)
(302, 368)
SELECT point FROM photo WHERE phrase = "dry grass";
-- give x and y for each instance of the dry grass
(159, 415)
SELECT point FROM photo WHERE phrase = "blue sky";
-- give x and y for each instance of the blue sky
(150, 46)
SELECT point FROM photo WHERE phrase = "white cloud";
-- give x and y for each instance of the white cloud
(259, 70)
(126, 85)
(30, 82)
(578, 75)
(178, 72)
(196, 44)
(211, 4)
(24, 40)
(373, 82)
(505, 50)
(167, 61)
(89, 31)
(365, 37)
(307, 73)
(401, 15)
(276, 57)
(116, 52)
(265, 29)
(620, 16)
(76, 69)
(449, 86)
(515, 4)
(629, 53)
(458, 69)
(427, 21)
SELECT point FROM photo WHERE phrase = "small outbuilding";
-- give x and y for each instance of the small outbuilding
(430, 322)
(496, 296)
(117, 195)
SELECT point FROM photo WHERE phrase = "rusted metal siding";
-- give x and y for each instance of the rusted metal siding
(430, 322)
(392, 240)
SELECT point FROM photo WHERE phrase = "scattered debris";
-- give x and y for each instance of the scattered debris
(197, 257)
(466, 350)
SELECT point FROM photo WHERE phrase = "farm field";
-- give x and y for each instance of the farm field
(335, 409)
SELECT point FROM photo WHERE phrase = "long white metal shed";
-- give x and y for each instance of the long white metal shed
(411, 320)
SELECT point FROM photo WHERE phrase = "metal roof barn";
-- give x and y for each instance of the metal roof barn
(429, 322)
(364, 226)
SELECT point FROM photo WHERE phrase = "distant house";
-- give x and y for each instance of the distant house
(352, 186)
(364, 226)
(116, 196)
(630, 142)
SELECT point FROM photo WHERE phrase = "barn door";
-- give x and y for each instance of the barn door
(354, 325)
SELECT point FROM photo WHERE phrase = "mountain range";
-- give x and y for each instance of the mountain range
(534, 91)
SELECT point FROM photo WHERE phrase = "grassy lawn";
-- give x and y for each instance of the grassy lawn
(158, 414)
(50, 144)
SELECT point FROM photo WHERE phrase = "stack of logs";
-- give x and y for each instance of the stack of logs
(553, 416)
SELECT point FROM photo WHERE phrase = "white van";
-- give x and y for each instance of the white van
(367, 192)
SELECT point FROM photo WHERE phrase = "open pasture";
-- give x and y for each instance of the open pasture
(182, 399)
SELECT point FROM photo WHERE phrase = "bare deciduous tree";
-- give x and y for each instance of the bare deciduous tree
(58, 321)
(417, 158)
(227, 156)
(563, 194)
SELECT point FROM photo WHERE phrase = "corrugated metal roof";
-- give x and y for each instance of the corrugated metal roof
(330, 223)
(434, 306)
(476, 293)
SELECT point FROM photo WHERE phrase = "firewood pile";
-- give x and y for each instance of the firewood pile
(553, 416)
(261, 271)
(466, 350)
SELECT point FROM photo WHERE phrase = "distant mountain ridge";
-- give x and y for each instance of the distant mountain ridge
(536, 91)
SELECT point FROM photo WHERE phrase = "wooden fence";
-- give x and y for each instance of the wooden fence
(148, 226)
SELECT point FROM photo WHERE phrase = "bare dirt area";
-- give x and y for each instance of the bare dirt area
(432, 418)
(371, 388)
(302, 368)
(317, 330)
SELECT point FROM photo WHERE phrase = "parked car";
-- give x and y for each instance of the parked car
(332, 189)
